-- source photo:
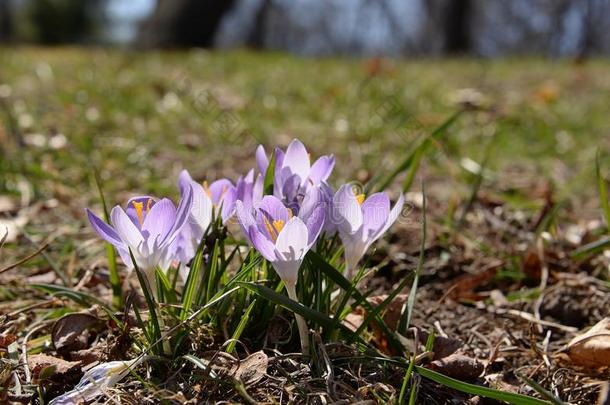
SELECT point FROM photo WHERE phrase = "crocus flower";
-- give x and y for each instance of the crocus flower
(97, 381)
(223, 195)
(147, 227)
(294, 173)
(217, 198)
(249, 190)
(185, 245)
(360, 221)
(283, 239)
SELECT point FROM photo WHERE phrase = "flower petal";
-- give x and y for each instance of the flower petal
(126, 229)
(244, 218)
(290, 248)
(375, 211)
(183, 214)
(159, 222)
(292, 241)
(347, 213)
(314, 224)
(262, 160)
(297, 159)
(273, 208)
(104, 230)
(228, 204)
(218, 190)
(393, 216)
(321, 169)
(261, 243)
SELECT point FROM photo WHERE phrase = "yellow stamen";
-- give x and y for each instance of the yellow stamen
(270, 229)
(148, 204)
(278, 224)
(206, 188)
(139, 207)
(290, 214)
(360, 198)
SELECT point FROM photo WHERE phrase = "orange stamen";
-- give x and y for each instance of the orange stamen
(270, 228)
(278, 224)
(139, 207)
(360, 198)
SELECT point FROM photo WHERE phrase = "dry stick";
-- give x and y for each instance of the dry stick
(531, 318)
(25, 259)
(24, 348)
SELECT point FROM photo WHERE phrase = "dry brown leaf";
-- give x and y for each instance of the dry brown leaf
(592, 348)
(71, 332)
(458, 366)
(443, 346)
(465, 285)
(251, 369)
(393, 310)
(42, 363)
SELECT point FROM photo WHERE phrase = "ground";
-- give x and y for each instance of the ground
(511, 188)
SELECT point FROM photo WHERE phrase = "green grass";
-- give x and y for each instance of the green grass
(141, 117)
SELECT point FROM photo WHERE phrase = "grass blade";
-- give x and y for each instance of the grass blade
(516, 399)
(296, 307)
(270, 175)
(603, 191)
(540, 390)
(115, 280)
(150, 302)
(405, 318)
(240, 327)
(342, 282)
(191, 283)
(591, 248)
(411, 161)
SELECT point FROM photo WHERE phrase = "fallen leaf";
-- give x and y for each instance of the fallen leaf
(464, 286)
(592, 348)
(71, 332)
(88, 356)
(458, 366)
(443, 346)
(44, 366)
(6, 340)
(393, 310)
(251, 369)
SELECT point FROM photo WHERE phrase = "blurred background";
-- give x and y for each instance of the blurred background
(574, 28)
(138, 90)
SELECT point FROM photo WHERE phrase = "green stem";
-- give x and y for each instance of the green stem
(301, 324)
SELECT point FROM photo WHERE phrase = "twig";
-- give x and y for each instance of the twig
(25, 259)
(531, 318)
(24, 348)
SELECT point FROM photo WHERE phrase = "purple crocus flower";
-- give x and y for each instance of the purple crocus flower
(223, 195)
(360, 221)
(250, 191)
(294, 174)
(284, 239)
(185, 245)
(147, 227)
(281, 237)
